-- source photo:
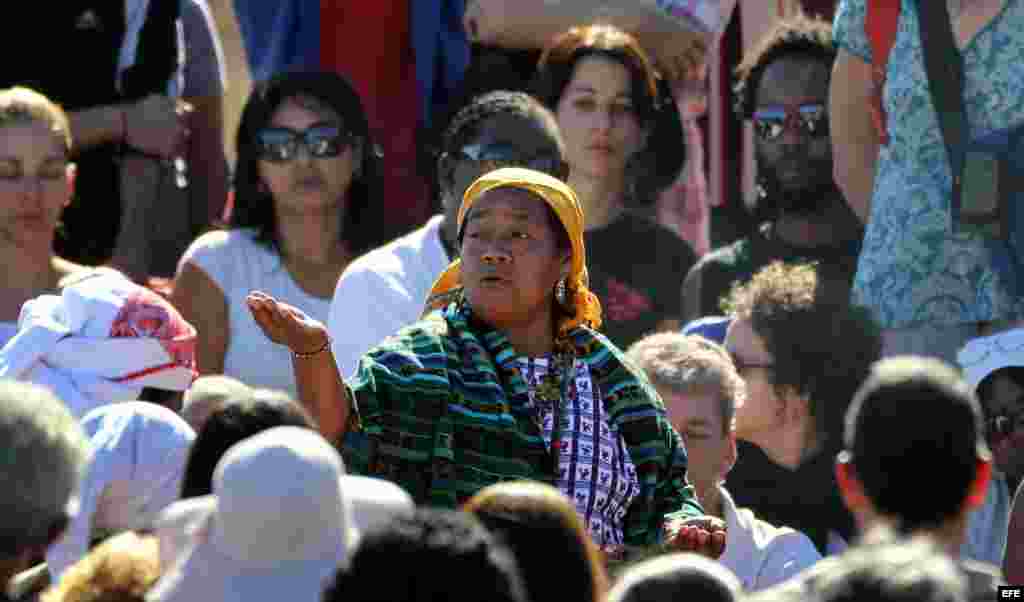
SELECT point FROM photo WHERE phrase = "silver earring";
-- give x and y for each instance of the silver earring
(560, 292)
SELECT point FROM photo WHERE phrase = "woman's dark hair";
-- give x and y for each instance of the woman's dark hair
(230, 423)
(799, 36)
(655, 166)
(435, 554)
(363, 223)
(538, 523)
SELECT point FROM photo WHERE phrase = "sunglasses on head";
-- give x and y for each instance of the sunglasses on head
(809, 119)
(281, 144)
(496, 156)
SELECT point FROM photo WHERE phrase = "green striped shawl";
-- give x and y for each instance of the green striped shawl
(438, 415)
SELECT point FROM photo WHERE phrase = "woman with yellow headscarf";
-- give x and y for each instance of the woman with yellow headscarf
(505, 377)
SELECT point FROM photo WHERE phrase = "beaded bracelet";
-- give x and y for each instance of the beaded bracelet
(306, 356)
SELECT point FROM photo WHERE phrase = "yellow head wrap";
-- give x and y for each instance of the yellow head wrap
(580, 301)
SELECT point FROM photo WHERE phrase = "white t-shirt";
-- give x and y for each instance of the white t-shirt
(240, 265)
(759, 553)
(383, 291)
(7, 332)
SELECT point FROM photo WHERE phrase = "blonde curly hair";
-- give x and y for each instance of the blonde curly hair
(121, 569)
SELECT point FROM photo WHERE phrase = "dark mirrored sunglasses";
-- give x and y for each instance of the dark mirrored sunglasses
(280, 145)
(810, 119)
(491, 157)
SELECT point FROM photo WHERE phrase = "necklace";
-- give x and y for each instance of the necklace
(548, 393)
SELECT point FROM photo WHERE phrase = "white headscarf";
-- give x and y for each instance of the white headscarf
(139, 453)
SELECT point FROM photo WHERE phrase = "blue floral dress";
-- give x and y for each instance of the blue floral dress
(913, 268)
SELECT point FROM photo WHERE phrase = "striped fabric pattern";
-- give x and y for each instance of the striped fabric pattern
(443, 411)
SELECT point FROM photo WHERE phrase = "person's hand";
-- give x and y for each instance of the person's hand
(704, 535)
(286, 325)
(681, 56)
(156, 125)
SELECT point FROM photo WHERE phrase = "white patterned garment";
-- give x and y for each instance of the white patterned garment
(594, 467)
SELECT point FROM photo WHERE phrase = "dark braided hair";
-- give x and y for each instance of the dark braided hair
(797, 36)
(467, 123)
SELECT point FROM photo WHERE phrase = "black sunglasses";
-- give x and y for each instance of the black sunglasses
(496, 156)
(280, 144)
(810, 119)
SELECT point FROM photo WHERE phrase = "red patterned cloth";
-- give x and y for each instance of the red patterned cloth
(102, 340)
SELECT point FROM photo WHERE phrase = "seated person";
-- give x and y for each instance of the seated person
(136, 468)
(307, 203)
(879, 471)
(803, 350)
(277, 526)
(783, 91)
(911, 571)
(539, 523)
(238, 417)
(676, 577)
(702, 390)
(994, 367)
(45, 454)
(121, 569)
(603, 90)
(505, 368)
(432, 555)
(35, 164)
(385, 289)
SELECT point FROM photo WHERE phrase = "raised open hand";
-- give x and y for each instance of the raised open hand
(285, 324)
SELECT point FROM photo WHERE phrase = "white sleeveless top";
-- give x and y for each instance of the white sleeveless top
(239, 265)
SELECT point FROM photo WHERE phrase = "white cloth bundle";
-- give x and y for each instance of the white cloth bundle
(103, 339)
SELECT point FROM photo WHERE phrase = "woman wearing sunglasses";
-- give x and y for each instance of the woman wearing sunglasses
(306, 203)
(604, 92)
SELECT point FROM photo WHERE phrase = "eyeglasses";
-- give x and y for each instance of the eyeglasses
(495, 156)
(809, 119)
(1004, 425)
(281, 145)
(742, 365)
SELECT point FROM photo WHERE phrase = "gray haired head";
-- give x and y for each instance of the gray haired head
(44, 456)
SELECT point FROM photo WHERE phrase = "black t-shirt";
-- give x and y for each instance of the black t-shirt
(739, 261)
(83, 73)
(636, 269)
(806, 499)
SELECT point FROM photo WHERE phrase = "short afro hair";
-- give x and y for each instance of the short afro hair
(797, 36)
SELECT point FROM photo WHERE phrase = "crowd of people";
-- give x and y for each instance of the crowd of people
(271, 386)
